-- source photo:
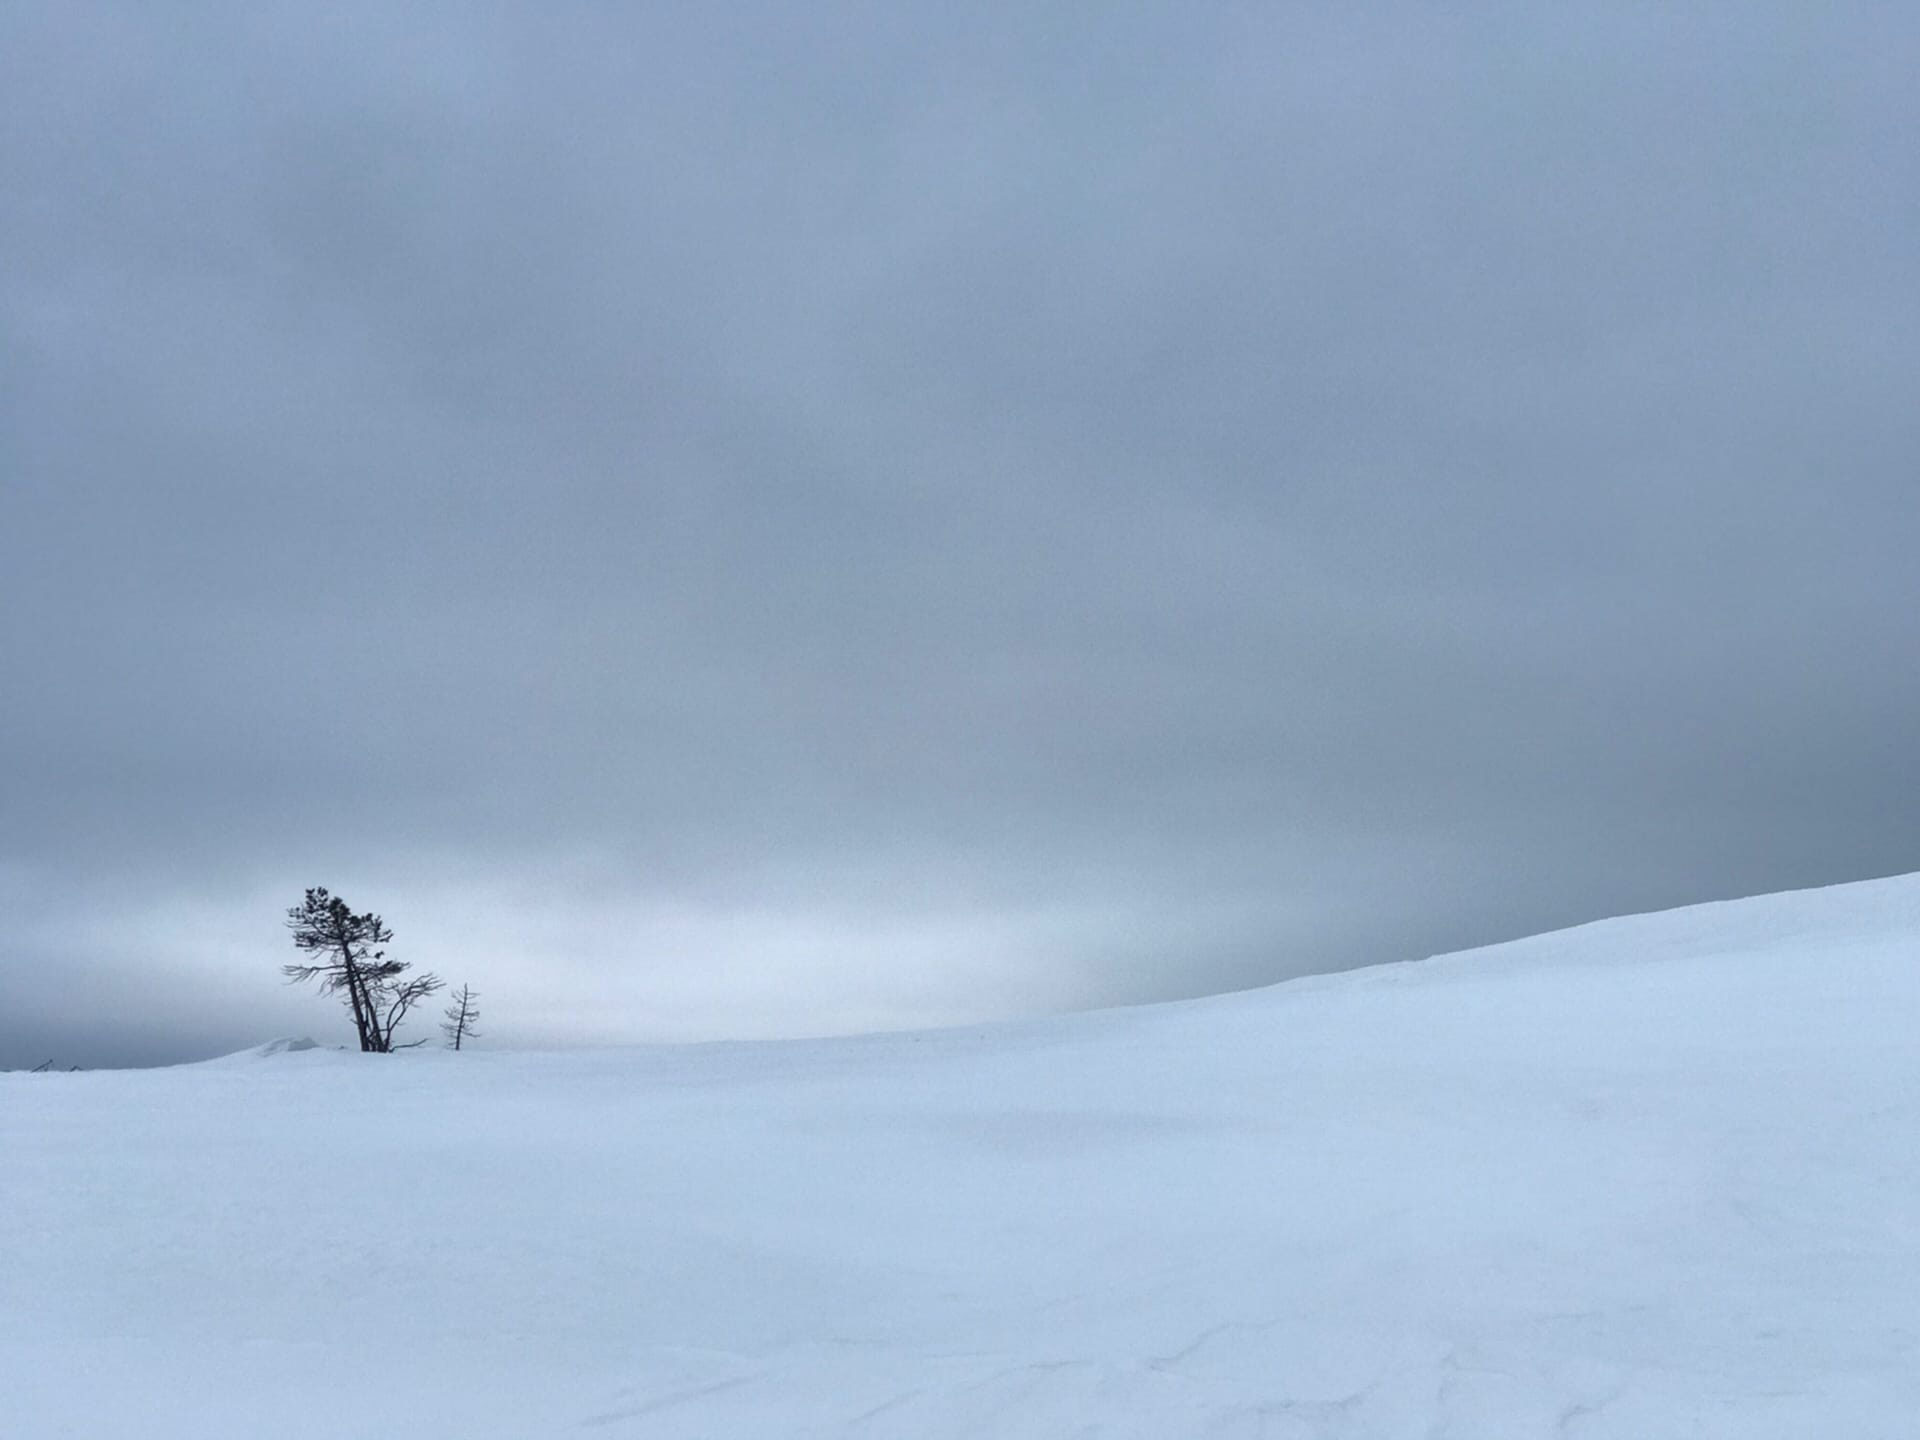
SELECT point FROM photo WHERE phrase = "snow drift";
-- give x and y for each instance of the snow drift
(1651, 1177)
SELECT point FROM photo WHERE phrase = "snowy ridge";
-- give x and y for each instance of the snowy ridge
(1655, 1176)
(285, 1046)
(1800, 920)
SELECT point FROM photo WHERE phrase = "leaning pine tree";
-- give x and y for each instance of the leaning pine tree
(463, 1016)
(348, 959)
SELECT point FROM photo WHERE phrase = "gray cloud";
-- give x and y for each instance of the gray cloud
(749, 523)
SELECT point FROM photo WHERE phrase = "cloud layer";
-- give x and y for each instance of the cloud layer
(749, 523)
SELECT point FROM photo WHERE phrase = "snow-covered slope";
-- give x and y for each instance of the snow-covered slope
(1654, 1177)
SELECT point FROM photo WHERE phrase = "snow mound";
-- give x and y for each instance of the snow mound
(1650, 1177)
(284, 1047)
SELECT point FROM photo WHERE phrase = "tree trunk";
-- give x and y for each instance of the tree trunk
(362, 1003)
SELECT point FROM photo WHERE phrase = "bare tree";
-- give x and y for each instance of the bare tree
(462, 1016)
(350, 959)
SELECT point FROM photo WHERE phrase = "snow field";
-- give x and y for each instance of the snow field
(1653, 1177)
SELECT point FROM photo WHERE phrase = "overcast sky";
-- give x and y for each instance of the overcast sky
(759, 519)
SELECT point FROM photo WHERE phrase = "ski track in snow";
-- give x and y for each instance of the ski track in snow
(1652, 1177)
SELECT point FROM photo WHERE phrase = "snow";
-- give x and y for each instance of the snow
(1652, 1177)
(284, 1046)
